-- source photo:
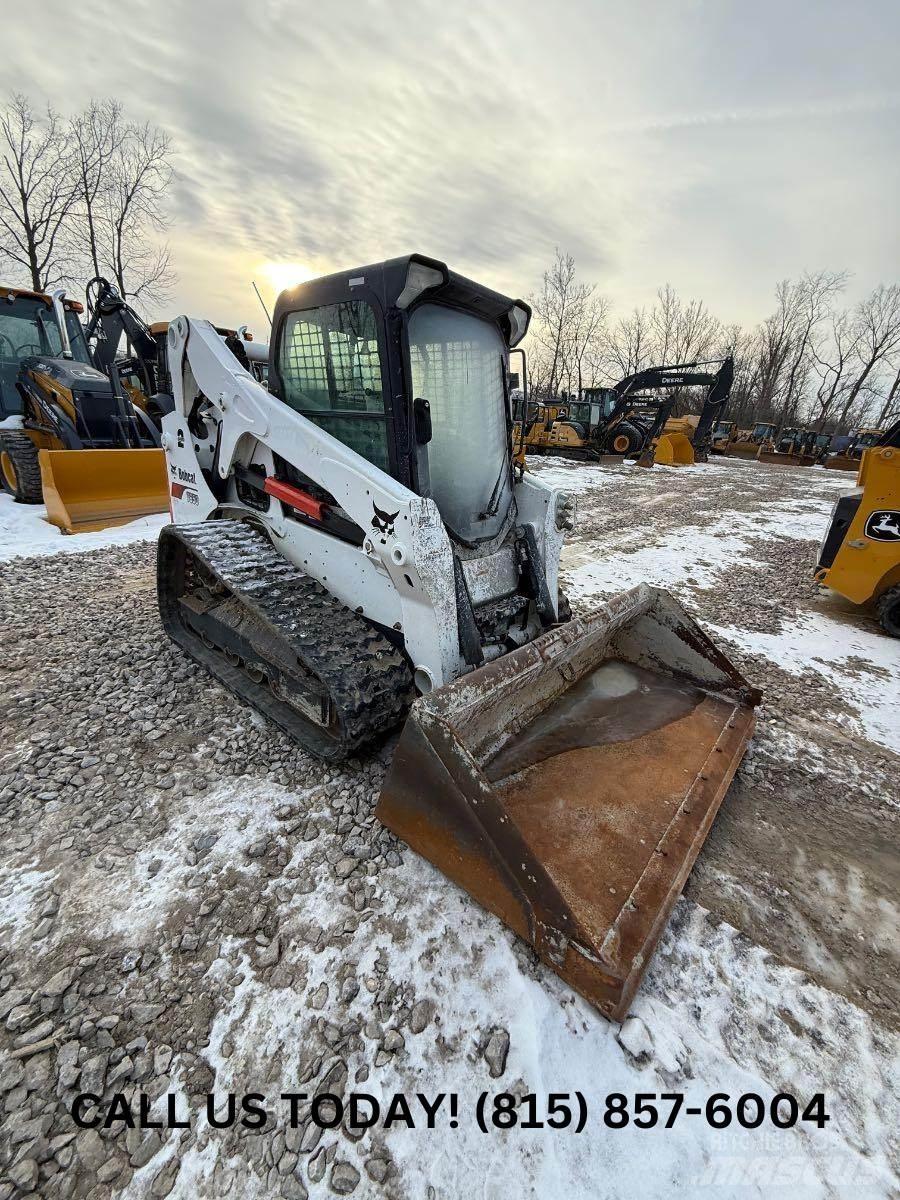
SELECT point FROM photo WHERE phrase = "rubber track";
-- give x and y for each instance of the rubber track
(367, 679)
(23, 452)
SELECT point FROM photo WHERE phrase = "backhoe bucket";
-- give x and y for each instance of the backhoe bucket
(93, 489)
(569, 785)
(674, 450)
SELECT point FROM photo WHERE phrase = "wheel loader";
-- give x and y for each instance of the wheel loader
(746, 443)
(352, 553)
(860, 554)
(795, 448)
(69, 436)
(848, 456)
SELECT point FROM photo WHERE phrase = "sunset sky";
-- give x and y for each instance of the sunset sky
(718, 146)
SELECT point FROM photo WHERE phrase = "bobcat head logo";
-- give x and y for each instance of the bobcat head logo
(383, 523)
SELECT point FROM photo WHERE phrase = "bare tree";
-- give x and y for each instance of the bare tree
(812, 298)
(681, 331)
(890, 411)
(563, 322)
(132, 207)
(97, 136)
(786, 342)
(832, 367)
(877, 326)
(37, 191)
(630, 343)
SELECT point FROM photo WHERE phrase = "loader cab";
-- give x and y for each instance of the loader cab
(763, 431)
(407, 363)
(600, 402)
(30, 328)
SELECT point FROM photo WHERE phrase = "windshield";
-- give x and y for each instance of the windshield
(28, 327)
(457, 363)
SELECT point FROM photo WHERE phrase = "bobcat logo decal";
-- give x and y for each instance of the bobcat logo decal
(383, 523)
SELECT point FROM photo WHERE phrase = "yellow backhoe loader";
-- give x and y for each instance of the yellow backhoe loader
(352, 551)
(860, 554)
(633, 419)
(70, 437)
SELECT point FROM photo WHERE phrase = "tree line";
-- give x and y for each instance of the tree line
(812, 361)
(84, 196)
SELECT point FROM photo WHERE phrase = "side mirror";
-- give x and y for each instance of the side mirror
(422, 421)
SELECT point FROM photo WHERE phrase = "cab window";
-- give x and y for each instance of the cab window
(330, 369)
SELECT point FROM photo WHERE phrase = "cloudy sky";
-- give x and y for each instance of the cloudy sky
(715, 144)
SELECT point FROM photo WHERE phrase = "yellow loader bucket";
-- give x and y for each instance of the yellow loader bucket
(786, 460)
(674, 449)
(94, 489)
(569, 785)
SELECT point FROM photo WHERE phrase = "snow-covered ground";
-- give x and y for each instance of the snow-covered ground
(25, 532)
(247, 893)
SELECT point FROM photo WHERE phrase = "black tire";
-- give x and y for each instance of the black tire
(626, 439)
(563, 608)
(20, 469)
(887, 610)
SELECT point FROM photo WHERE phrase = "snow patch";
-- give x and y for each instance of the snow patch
(25, 532)
(841, 651)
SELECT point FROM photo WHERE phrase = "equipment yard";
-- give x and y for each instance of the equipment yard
(190, 903)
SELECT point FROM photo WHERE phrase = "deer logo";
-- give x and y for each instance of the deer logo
(883, 526)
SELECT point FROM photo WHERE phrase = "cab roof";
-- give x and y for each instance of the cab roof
(6, 292)
(388, 282)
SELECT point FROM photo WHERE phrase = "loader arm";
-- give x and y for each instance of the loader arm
(404, 542)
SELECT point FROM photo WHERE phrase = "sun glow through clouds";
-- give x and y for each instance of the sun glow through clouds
(283, 275)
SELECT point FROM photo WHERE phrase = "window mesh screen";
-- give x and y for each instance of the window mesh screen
(330, 359)
(330, 365)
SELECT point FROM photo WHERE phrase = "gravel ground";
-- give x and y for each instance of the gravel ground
(189, 903)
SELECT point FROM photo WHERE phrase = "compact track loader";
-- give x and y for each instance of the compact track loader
(354, 550)
(860, 554)
(71, 437)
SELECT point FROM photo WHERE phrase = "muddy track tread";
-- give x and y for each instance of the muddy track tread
(24, 455)
(366, 677)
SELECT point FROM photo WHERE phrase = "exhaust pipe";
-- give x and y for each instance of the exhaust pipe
(59, 313)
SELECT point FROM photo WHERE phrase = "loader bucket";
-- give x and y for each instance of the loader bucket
(569, 785)
(842, 462)
(786, 460)
(674, 449)
(93, 489)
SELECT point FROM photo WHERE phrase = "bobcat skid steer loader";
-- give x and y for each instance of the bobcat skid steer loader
(352, 550)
